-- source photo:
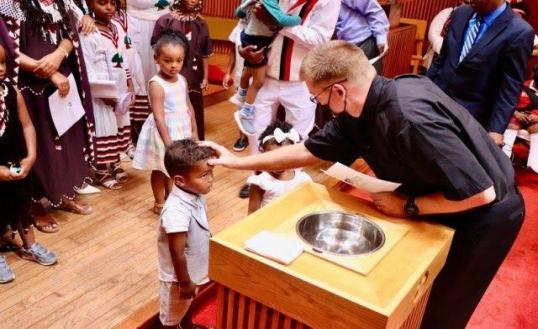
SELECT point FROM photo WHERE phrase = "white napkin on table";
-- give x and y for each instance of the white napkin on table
(274, 246)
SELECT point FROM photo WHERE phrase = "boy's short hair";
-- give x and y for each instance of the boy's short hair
(183, 155)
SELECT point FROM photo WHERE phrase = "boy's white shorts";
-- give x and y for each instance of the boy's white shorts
(173, 308)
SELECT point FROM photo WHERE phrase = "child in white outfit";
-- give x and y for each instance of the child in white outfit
(183, 240)
(269, 186)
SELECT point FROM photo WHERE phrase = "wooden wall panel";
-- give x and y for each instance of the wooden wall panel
(220, 8)
(426, 9)
(402, 45)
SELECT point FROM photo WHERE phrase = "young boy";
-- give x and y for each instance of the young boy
(183, 241)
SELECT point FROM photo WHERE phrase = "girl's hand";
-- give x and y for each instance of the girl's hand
(532, 118)
(49, 64)
(26, 165)
(6, 175)
(87, 25)
(110, 101)
(204, 84)
(226, 80)
(520, 117)
(61, 82)
(130, 88)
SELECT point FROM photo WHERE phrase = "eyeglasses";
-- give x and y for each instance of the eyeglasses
(314, 98)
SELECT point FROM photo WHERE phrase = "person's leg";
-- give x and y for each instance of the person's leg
(510, 138)
(266, 104)
(480, 245)
(104, 177)
(172, 308)
(197, 101)
(245, 118)
(31, 250)
(43, 220)
(239, 97)
(532, 162)
(300, 111)
(158, 181)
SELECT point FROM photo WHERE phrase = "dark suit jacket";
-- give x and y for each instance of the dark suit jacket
(489, 79)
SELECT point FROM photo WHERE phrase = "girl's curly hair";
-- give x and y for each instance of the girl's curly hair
(171, 37)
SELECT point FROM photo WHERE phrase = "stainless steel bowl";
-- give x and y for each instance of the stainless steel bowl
(340, 233)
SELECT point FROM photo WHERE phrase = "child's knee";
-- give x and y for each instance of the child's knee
(533, 129)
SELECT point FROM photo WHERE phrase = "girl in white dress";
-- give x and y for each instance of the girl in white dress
(172, 118)
(268, 186)
(104, 53)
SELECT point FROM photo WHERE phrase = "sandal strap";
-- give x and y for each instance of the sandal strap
(106, 179)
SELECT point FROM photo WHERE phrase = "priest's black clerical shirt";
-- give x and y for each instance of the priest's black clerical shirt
(410, 132)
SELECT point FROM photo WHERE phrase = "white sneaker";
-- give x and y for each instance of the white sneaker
(238, 99)
(245, 123)
(87, 189)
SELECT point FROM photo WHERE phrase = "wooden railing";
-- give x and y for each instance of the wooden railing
(426, 9)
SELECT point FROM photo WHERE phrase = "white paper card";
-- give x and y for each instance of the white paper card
(274, 246)
(104, 89)
(359, 180)
(375, 59)
(68, 110)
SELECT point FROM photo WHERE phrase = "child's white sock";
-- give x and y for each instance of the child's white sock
(242, 92)
(247, 109)
(509, 140)
(532, 162)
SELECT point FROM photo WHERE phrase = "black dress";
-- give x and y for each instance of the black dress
(15, 196)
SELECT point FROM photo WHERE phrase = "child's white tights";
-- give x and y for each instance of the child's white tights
(509, 140)
(532, 162)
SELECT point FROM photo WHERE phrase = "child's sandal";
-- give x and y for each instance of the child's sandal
(105, 178)
(120, 174)
(158, 208)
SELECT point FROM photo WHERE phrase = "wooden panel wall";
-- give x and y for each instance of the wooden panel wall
(221, 8)
(426, 9)
(402, 45)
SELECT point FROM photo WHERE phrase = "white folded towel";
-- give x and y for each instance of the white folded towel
(274, 246)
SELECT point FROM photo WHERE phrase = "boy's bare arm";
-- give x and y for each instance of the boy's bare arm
(176, 243)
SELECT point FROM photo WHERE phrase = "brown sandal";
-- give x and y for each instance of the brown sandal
(75, 207)
(46, 224)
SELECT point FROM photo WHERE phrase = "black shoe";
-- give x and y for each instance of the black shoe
(240, 144)
(244, 192)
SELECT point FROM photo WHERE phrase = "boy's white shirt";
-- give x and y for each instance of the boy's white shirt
(184, 212)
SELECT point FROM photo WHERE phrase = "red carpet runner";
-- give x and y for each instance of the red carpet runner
(511, 300)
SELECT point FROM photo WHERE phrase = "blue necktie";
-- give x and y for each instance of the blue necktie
(471, 38)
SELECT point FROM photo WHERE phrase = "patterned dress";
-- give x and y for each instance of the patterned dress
(140, 110)
(63, 162)
(112, 130)
(197, 33)
(150, 149)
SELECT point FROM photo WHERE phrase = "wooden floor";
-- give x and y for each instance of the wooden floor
(108, 260)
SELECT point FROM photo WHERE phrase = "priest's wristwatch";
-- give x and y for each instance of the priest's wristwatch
(411, 208)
